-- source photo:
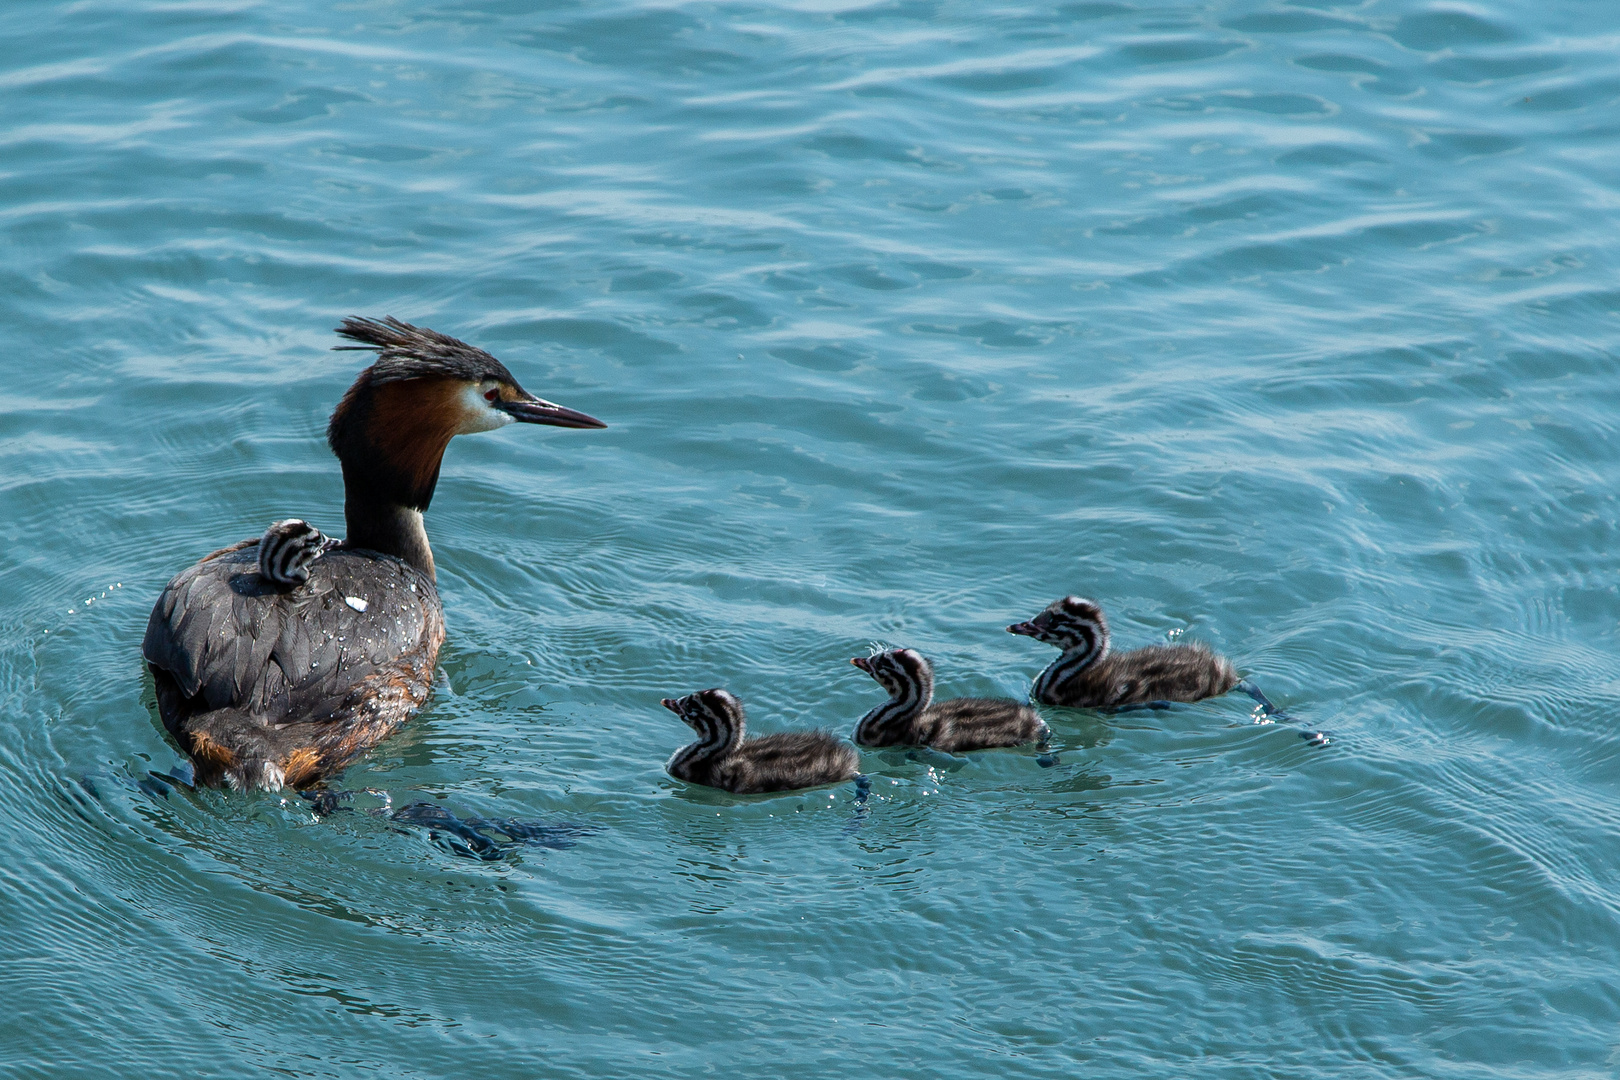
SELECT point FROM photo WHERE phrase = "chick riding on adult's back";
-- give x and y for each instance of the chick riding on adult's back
(284, 677)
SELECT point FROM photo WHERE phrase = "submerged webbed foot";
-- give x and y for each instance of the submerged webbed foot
(467, 837)
(325, 801)
(863, 806)
(1271, 714)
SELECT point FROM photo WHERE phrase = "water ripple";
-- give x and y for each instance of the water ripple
(1288, 328)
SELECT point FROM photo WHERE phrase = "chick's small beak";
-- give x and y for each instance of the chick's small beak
(670, 703)
(1025, 628)
(863, 663)
(532, 410)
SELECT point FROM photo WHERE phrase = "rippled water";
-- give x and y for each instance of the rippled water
(1292, 327)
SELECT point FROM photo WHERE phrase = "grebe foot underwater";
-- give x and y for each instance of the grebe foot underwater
(722, 758)
(863, 805)
(467, 838)
(911, 718)
(1270, 714)
(279, 667)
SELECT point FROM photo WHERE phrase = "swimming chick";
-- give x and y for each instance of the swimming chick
(909, 717)
(722, 758)
(1086, 676)
(279, 660)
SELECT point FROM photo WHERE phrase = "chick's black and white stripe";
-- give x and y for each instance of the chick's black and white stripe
(909, 678)
(287, 548)
(717, 717)
(722, 758)
(910, 718)
(1080, 629)
(1088, 676)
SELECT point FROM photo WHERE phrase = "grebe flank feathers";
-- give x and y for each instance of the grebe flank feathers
(1087, 676)
(722, 758)
(284, 678)
(911, 718)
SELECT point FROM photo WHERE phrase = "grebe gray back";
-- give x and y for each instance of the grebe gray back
(281, 670)
(722, 758)
(910, 717)
(1086, 676)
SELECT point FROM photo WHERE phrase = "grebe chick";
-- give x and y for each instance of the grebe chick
(1086, 676)
(265, 685)
(722, 758)
(287, 548)
(909, 717)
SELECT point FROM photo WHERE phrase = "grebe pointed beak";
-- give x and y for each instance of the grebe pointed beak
(863, 663)
(670, 703)
(1024, 628)
(533, 410)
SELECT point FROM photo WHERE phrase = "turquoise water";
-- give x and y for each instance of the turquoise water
(1289, 327)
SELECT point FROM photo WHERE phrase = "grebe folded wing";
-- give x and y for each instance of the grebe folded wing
(213, 629)
(233, 640)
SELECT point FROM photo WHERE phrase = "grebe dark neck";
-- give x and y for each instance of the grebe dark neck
(911, 718)
(1088, 676)
(279, 660)
(722, 758)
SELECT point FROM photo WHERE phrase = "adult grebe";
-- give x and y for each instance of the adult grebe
(722, 758)
(910, 717)
(280, 671)
(1087, 677)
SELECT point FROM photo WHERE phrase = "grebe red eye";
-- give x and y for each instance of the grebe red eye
(491, 394)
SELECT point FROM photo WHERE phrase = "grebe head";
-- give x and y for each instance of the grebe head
(899, 671)
(1069, 623)
(707, 711)
(425, 388)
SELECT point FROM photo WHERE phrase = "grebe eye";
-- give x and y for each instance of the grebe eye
(491, 395)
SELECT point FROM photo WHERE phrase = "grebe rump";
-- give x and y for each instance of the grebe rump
(284, 676)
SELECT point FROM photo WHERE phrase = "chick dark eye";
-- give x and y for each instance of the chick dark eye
(491, 395)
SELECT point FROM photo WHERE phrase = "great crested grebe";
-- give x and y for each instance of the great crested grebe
(280, 660)
(1086, 676)
(910, 718)
(722, 758)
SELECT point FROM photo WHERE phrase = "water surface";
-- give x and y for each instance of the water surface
(1290, 328)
